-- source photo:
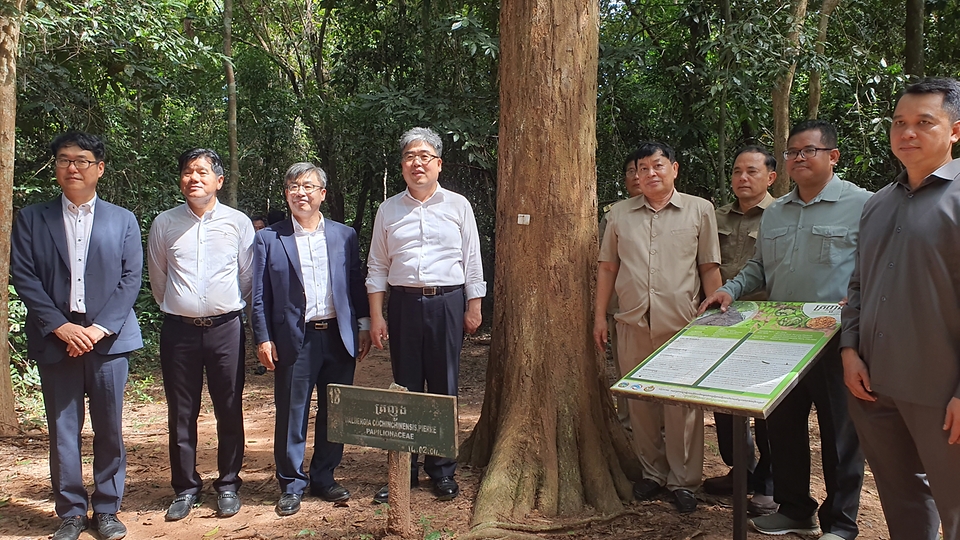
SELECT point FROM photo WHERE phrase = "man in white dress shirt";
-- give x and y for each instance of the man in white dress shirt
(426, 250)
(201, 269)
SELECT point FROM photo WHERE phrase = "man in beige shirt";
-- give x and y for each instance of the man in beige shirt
(754, 171)
(659, 251)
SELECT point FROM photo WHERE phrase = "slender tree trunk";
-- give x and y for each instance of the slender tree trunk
(233, 181)
(813, 104)
(548, 433)
(781, 98)
(913, 50)
(727, 15)
(9, 36)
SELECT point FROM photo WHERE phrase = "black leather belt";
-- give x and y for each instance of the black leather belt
(206, 322)
(78, 318)
(321, 325)
(427, 291)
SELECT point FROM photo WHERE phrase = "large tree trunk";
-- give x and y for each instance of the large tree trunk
(548, 433)
(233, 181)
(9, 36)
(816, 86)
(913, 49)
(781, 98)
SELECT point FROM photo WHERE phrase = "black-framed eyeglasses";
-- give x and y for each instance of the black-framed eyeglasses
(80, 164)
(424, 158)
(805, 153)
(307, 188)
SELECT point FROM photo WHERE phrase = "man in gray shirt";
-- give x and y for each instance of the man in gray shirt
(805, 254)
(901, 328)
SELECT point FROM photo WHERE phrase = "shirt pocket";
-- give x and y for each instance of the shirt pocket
(685, 243)
(776, 244)
(828, 244)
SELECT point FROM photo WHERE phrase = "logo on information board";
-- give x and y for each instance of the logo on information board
(649, 388)
(635, 387)
(623, 384)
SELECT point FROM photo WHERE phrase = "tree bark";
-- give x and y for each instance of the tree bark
(913, 49)
(781, 98)
(727, 14)
(548, 433)
(816, 86)
(9, 37)
(233, 181)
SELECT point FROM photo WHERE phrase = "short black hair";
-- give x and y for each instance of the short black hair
(768, 160)
(647, 149)
(196, 153)
(948, 88)
(828, 132)
(275, 215)
(85, 141)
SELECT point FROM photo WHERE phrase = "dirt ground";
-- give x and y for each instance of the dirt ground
(27, 510)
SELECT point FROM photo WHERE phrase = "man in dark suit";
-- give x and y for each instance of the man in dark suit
(308, 293)
(76, 264)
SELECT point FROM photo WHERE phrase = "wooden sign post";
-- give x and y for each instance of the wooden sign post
(400, 422)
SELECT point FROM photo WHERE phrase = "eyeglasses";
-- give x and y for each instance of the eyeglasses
(80, 164)
(805, 153)
(307, 188)
(424, 158)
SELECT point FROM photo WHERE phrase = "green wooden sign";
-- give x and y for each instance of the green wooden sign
(393, 420)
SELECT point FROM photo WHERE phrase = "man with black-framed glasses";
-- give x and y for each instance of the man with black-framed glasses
(76, 263)
(311, 325)
(805, 253)
(426, 250)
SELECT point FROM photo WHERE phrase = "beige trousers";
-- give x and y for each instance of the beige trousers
(668, 438)
(623, 404)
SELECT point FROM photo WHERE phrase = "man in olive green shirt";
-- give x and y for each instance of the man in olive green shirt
(631, 181)
(806, 254)
(738, 224)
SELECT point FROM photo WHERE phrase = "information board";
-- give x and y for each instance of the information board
(743, 361)
(412, 422)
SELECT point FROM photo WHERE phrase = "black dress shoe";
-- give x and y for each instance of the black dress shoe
(228, 504)
(180, 507)
(719, 485)
(108, 526)
(332, 493)
(71, 528)
(288, 505)
(646, 489)
(382, 496)
(684, 500)
(446, 488)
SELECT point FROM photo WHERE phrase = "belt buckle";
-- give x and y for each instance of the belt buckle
(322, 325)
(202, 321)
(430, 291)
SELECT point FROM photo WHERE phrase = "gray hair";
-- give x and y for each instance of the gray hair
(298, 170)
(421, 134)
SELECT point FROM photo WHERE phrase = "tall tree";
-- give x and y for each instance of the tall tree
(816, 86)
(547, 434)
(9, 38)
(234, 179)
(913, 49)
(781, 95)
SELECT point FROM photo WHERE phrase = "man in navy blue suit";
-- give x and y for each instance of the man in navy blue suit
(76, 263)
(310, 321)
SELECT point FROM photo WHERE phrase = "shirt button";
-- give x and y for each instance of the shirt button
(890, 265)
(899, 229)
(656, 216)
(880, 334)
(910, 196)
(883, 298)
(653, 252)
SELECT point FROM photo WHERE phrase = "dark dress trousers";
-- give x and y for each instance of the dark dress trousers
(41, 274)
(309, 358)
